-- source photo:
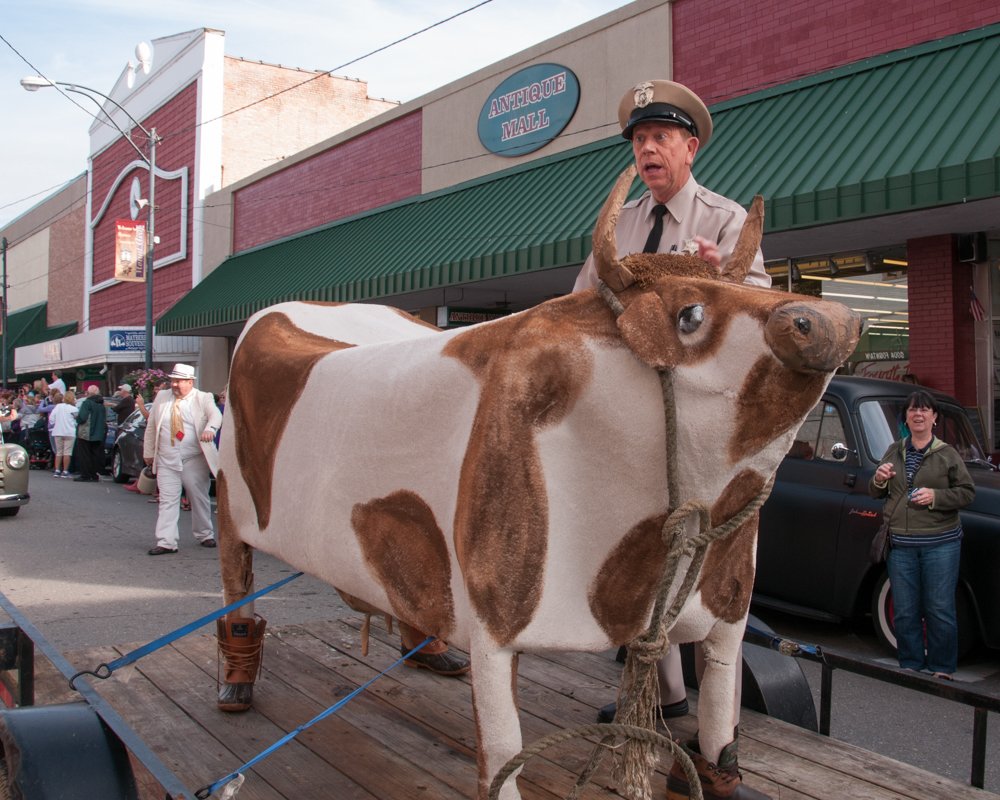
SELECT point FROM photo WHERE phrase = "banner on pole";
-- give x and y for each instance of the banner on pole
(130, 250)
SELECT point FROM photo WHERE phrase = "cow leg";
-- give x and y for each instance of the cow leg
(240, 633)
(717, 711)
(498, 730)
(714, 753)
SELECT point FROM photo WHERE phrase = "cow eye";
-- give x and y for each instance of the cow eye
(690, 318)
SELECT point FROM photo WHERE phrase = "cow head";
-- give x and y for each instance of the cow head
(751, 361)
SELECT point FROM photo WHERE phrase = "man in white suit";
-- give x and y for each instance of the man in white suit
(180, 447)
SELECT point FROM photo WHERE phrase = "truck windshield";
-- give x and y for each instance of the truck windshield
(882, 423)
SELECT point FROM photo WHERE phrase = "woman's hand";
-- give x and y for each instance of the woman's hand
(922, 497)
(884, 473)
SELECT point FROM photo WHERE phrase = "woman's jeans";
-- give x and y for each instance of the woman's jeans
(923, 592)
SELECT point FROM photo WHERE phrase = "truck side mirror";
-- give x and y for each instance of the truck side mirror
(841, 451)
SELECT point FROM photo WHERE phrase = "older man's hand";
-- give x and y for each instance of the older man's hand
(708, 251)
(207, 435)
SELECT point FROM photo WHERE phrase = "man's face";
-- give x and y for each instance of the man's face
(181, 386)
(663, 155)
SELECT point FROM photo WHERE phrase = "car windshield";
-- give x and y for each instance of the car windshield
(882, 423)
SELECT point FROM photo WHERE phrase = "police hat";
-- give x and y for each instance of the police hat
(665, 101)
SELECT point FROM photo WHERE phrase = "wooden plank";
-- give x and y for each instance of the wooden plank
(240, 737)
(350, 738)
(412, 733)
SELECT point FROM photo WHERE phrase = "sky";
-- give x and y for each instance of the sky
(44, 139)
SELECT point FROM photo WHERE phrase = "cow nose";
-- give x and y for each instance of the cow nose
(815, 336)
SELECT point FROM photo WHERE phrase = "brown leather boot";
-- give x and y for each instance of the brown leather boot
(720, 781)
(437, 657)
(241, 645)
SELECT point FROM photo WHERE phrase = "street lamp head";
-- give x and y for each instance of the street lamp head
(35, 82)
(144, 55)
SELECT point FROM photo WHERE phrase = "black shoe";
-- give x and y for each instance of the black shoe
(208, 543)
(84, 479)
(446, 663)
(159, 551)
(606, 714)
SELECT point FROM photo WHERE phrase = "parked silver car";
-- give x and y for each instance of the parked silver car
(15, 467)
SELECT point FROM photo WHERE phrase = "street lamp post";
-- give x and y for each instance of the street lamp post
(33, 84)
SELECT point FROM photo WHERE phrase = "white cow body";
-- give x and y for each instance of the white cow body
(516, 465)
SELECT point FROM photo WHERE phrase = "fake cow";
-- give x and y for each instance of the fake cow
(503, 486)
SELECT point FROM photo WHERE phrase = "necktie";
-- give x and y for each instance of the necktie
(176, 425)
(653, 242)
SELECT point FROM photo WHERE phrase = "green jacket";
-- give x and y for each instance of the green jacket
(93, 409)
(941, 470)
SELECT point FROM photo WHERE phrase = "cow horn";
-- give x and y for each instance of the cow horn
(747, 245)
(609, 268)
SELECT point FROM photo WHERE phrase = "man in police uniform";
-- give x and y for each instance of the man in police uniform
(667, 123)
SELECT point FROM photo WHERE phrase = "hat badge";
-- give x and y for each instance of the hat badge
(643, 94)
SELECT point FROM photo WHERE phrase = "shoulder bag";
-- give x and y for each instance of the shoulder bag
(880, 544)
(83, 429)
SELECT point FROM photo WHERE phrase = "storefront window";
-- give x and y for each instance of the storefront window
(874, 285)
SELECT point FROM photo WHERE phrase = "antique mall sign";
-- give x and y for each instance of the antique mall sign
(529, 109)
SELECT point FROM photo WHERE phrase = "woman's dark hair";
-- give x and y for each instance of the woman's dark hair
(921, 399)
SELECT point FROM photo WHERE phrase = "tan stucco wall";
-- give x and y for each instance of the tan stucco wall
(608, 55)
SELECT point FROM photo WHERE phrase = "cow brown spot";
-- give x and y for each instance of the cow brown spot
(772, 400)
(531, 370)
(405, 549)
(621, 596)
(726, 579)
(269, 372)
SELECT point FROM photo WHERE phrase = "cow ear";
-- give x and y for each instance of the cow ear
(648, 330)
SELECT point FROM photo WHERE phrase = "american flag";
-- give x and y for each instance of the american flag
(975, 307)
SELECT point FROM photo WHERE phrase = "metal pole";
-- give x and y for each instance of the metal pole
(3, 309)
(150, 248)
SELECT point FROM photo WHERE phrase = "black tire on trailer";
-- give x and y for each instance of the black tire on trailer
(62, 751)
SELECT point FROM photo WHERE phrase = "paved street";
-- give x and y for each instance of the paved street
(74, 561)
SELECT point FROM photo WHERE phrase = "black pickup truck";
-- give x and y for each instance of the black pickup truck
(816, 528)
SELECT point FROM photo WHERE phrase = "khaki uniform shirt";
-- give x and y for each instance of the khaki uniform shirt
(693, 211)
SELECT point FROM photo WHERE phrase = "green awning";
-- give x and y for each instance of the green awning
(28, 326)
(908, 130)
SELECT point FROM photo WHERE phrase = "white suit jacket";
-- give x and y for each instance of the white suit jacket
(206, 415)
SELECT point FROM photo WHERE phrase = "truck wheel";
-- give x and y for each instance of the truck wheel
(4, 786)
(885, 631)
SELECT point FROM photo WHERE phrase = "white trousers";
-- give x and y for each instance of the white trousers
(195, 478)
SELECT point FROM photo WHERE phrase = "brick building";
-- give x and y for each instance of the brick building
(867, 126)
(218, 119)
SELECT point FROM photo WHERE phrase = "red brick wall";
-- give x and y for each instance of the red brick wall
(942, 339)
(381, 166)
(727, 48)
(125, 303)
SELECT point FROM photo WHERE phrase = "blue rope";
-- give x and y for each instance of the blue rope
(103, 671)
(210, 789)
(788, 647)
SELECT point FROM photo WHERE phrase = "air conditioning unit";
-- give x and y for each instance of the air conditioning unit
(972, 247)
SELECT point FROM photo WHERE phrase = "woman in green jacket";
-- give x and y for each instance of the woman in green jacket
(926, 483)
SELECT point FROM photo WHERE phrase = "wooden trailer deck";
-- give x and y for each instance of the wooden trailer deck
(411, 734)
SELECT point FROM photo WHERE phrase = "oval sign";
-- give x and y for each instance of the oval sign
(529, 109)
